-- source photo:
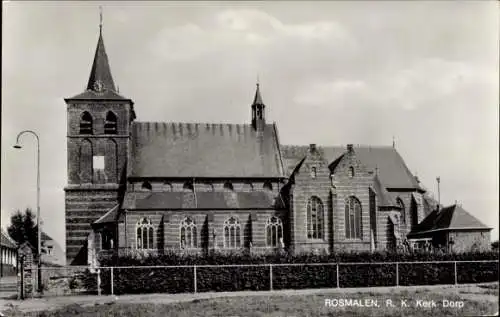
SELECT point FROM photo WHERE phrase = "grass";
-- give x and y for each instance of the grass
(475, 299)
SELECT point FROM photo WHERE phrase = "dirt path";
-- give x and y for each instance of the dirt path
(470, 292)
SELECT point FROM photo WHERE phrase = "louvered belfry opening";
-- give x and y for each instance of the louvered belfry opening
(86, 123)
(110, 126)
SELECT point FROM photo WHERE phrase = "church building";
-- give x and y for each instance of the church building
(153, 187)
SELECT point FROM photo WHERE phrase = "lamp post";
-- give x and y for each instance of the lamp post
(39, 232)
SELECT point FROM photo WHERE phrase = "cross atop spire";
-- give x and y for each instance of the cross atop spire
(100, 20)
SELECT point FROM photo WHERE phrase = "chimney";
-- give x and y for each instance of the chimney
(312, 147)
(349, 147)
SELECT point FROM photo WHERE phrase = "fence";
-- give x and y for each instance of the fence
(204, 278)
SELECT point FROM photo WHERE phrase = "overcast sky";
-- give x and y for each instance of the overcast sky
(331, 73)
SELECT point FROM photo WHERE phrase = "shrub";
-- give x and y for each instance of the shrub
(237, 278)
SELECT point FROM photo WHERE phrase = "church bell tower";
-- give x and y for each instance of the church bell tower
(98, 138)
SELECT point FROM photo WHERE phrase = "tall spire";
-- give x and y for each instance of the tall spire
(100, 75)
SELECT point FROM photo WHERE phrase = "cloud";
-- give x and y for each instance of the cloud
(326, 93)
(242, 29)
(420, 84)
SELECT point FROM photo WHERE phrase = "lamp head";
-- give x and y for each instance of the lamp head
(17, 146)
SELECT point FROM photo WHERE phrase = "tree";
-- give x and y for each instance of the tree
(494, 245)
(22, 227)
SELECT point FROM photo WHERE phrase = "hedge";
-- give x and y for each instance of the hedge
(315, 275)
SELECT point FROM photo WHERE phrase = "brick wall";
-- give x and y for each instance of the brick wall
(83, 207)
(470, 240)
(167, 227)
(345, 187)
(305, 187)
(91, 193)
(82, 148)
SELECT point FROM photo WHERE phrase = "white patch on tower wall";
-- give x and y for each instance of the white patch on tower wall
(98, 162)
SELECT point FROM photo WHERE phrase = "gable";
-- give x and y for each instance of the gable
(203, 150)
(392, 169)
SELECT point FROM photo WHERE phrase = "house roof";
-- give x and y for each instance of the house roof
(203, 150)
(202, 200)
(6, 240)
(44, 236)
(449, 218)
(392, 170)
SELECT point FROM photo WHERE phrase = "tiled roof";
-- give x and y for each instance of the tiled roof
(202, 200)
(385, 198)
(6, 240)
(110, 216)
(45, 237)
(392, 169)
(203, 150)
(93, 95)
(449, 218)
(100, 85)
(101, 71)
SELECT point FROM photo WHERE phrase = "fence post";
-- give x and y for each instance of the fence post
(195, 281)
(456, 278)
(397, 273)
(271, 277)
(338, 282)
(99, 282)
(112, 281)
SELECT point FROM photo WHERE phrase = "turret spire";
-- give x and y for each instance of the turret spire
(258, 111)
(257, 100)
(100, 75)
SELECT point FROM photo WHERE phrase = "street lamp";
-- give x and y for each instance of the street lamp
(39, 250)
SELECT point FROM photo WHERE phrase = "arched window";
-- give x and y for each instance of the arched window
(313, 172)
(274, 232)
(228, 186)
(351, 171)
(145, 233)
(86, 160)
(188, 186)
(314, 218)
(232, 233)
(110, 126)
(188, 234)
(353, 229)
(268, 186)
(403, 211)
(86, 123)
(146, 186)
